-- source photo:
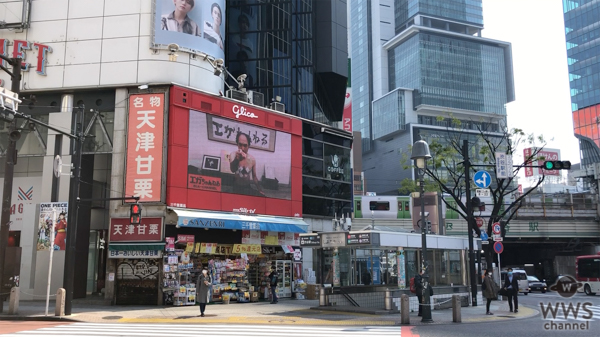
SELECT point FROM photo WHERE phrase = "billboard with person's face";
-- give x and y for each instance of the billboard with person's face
(196, 25)
(231, 156)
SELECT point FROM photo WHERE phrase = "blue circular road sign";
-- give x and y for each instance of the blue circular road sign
(498, 247)
(482, 179)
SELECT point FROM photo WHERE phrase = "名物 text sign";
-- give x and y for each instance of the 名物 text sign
(145, 146)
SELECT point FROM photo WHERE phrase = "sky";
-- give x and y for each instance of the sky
(542, 105)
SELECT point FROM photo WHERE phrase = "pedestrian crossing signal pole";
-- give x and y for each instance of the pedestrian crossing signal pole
(135, 214)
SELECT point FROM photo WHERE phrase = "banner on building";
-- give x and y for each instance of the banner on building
(193, 25)
(145, 146)
(53, 217)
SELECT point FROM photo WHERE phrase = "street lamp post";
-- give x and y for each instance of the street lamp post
(420, 154)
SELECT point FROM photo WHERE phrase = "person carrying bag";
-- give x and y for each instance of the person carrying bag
(490, 290)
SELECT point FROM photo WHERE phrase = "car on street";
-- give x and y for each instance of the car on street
(536, 285)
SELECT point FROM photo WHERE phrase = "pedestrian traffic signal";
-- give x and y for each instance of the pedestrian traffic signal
(135, 214)
(557, 165)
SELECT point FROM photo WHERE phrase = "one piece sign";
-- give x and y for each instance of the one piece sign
(53, 217)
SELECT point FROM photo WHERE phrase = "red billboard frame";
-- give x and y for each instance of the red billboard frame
(182, 100)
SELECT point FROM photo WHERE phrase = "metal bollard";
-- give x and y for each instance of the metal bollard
(13, 304)
(388, 300)
(404, 309)
(456, 305)
(323, 299)
(59, 310)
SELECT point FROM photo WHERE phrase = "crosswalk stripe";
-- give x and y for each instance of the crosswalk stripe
(100, 329)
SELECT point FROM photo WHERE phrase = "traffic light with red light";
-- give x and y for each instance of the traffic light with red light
(135, 214)
(556, 165)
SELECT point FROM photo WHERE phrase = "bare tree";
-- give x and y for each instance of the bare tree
(447, 168)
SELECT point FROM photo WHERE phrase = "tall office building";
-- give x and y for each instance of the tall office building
(582, 30)
(415, 65)
(292, 51)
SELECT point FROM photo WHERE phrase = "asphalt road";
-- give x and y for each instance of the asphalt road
(588, 315)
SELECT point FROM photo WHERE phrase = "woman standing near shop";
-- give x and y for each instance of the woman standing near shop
(202, 289)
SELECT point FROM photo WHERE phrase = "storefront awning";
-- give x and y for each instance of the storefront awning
(216, 220)
(136, 246)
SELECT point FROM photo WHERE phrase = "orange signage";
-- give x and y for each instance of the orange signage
(145, 146)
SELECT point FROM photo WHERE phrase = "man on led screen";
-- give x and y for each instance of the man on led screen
(179, 21)
(243, 167)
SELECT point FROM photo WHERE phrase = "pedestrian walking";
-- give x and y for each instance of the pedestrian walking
(511, 284)
(273, 278)
(419, 289)
(490, 290)
(202, 290)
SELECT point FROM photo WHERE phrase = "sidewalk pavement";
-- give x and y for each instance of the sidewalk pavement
(303, 312)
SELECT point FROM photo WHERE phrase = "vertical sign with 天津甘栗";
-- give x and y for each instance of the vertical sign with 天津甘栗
(145, 147)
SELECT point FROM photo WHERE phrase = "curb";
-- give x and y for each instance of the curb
(38, 318)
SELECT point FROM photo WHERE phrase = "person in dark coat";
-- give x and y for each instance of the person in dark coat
(202, 288)
(366, 278)
(490, 292)
(273, 279)
(419, 289)
(511, 284)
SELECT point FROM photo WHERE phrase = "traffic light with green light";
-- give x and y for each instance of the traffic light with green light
(135, 214)
(556, 165)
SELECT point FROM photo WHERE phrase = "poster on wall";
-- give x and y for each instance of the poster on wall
(194, 25)
(26, 190)
(53, 217)
(231, 156)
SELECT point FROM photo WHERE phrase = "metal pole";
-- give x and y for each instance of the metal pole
(11, 160)
(71, 250)
(426, 310)
(473, 278)
(50, 263)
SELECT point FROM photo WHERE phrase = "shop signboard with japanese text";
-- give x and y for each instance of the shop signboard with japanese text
(145, 147)
(53, 217)
(194, 25)
(539, 159)
(232, 156)
(150, 229)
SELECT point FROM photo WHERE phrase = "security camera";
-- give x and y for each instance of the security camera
(143, 87)
(173, 47)
(242, 78)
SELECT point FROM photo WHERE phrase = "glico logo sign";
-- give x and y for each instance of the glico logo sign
(242, 111)
(19, 51)
(335, 165)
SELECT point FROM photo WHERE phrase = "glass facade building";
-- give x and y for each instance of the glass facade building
(275, 44)
(582, 32)
(421, 63)
(360, 30)
(450, 72)
(467, 11)
(388, 114)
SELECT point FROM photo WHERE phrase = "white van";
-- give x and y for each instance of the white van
(521, 276)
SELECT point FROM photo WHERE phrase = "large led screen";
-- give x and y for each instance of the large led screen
(196, 25)
(230, 156)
